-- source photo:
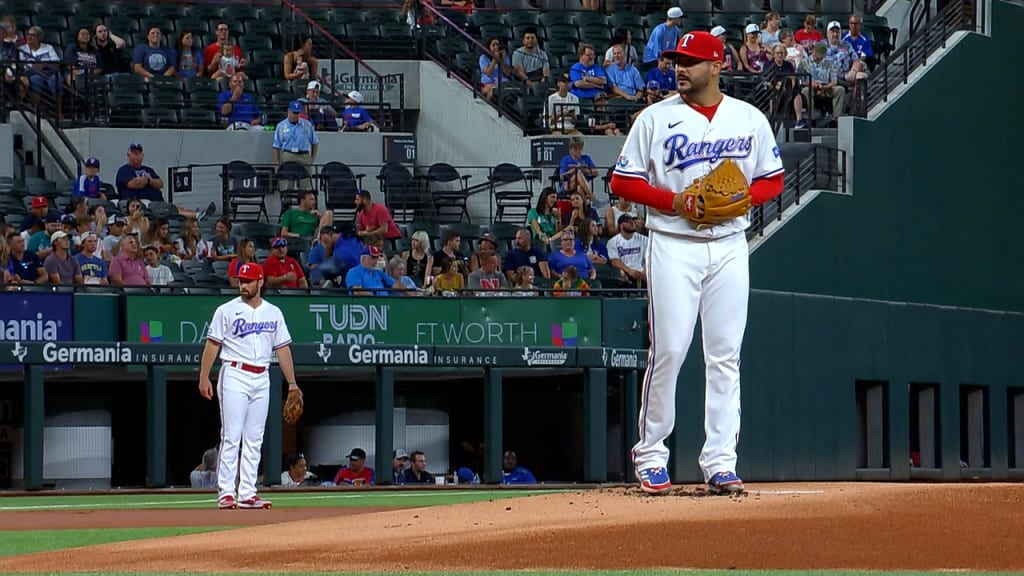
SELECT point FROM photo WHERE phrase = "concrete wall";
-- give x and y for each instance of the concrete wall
(6, 150)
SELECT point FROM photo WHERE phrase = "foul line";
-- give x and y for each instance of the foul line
(786, 492)
(274, 497)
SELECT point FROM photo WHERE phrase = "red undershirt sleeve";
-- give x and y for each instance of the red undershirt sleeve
(639, 191)
(764, 189)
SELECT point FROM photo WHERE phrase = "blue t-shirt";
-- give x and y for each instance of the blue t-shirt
(189, 67)
(568, 163)
(156, 61)
(861, 44)
(88, 186)
(662, 38)
(665, 80)
(517, 257)
(348, 250)
(245, 110)
(93, 267)
(558, 261)
(485, 61)
(354, 116)
(578, 72)
(368, 279)
(316, 255)
(27, 269)
(626, 79)
(518, 475)
(126, 173)
(596, 245)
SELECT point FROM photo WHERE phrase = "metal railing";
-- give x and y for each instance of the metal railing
(957, 15)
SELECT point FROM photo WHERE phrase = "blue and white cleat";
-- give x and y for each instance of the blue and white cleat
(725, 483)
(653, 480)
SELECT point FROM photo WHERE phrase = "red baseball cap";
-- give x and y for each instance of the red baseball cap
(250, 271)
(372, 250)
(40, 202)
(698, 44)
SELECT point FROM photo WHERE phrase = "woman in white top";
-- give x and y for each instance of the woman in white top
(190, 243)
(615, 211)
(625, 37)
(795, 53)
(770, 31)
(138, 223)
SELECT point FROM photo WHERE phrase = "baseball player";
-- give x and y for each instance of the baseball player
(695, 268)
(247, 331)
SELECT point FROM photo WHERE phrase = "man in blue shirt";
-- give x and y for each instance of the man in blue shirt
(624, 79)
(36, 220)
(323, 253)
(366, 279)
(663, 75)
(94, 269)
(512, 473)
(861, 44)
(417, 472)
(152, 59)
(234, 105)
(135, 180)
(295, 140)
(24, 267)
(577, 170)
(588, 79)
(665, 36)
(89, 184)
(525, 254)
(357, 119)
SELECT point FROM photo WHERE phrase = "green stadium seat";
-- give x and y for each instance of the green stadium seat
(521, 18)
(198, 118)
(590, 18)
(133, 10)
(206, 11)
(169, 11)
(159, 117)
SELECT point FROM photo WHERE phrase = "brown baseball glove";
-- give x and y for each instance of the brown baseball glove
(293, 406)
(722, 195)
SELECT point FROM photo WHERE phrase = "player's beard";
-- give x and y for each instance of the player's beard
(694, 84)
(249, 292)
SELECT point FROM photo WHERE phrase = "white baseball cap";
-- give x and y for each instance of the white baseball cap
(675, 12)
(835, 24)
(356, 96)
(718, 31)
(58, 235)
(751, 29)
(314, 85)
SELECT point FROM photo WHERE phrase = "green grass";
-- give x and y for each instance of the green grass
(29, 541)
(291, 500)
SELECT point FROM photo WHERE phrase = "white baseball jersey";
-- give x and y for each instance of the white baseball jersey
(248, 335)
(631, 251)
(670, 145)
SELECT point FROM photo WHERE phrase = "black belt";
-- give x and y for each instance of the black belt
(303, 152)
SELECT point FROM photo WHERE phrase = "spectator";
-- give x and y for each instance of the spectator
(35, 220)
(356, 118)
(495, 67)
(159, 236)
(579, 210)
(190, 62)
(246, 253)
(753, 56)
(615, 211)
(419, 262)
(449, 281)
(89, 184)
(347, 253)
(396, 271)
(576, 171)
(295, 140)
(224, 246)
(487, 242)
(138, 222)
(110, 48)
(40, 242)
(779, 76)
(588, 78)
(861, 44)
(8, 57)
(664, 76)
(563, 108)
(319, 112)
(570, 283)
(523, 254)
(664, 36)
(512, 472)
(399, 458)
(568, 256)
(190, 245)
(137, 181)
(82, 57)
(94, 269)
(770, 33)
(281, 270)
(5, 261)
(588, 241)
(824, 84)
(69, 224)
(300, 64)
(357, 473)
(530, 62)
(489, 276)
(322, 250)
(153, 59)
(304, 220)
(374, 218)
(226, 63)
(112, 241)
(732, 58)
(10, 31)
(544, 220)
(60, 265)
(601, 122)
(626, 251)
(522, 282)
(794, 52)
(41, 66)
(298, 473)
(366, 279)
(127, 268)
(623, 37)
(235, 106)
(451, 250)
(159, 274)
(205, 474)
(223, 39)
(624, 80)
(23, 266)
(808, 36)
(417, 473)
(842, 54)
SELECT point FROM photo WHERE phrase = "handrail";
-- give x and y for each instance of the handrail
(295, 9)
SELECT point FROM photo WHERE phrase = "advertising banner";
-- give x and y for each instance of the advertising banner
(473, 322)
(29, 317)
(343, 77)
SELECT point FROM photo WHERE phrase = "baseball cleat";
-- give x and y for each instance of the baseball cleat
(725, 483)
(227, 502)
(653, 480)
(254, 503)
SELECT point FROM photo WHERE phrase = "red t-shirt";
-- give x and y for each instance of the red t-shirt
(377, 216)
(275, 267)
(802, 36)
(212, 50)
(347, 476)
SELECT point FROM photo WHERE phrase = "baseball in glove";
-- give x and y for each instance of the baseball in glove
(293, 406)
(722, 195)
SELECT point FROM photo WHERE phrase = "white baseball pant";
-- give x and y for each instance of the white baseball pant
(686, 277)
(244, 402)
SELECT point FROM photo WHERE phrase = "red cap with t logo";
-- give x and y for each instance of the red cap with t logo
(250, 271)
(699, 45)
